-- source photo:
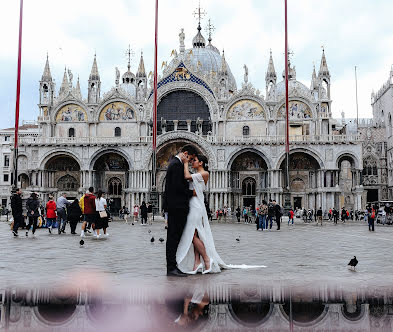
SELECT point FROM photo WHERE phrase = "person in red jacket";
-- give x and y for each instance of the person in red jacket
(291, 215)
(89, 210)
(50, 213)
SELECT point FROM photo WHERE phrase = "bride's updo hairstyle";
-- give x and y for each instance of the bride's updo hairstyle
(205, 162)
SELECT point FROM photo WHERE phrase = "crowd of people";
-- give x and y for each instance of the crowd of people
(91, 209)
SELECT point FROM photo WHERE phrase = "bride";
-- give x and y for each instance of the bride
(197, 239)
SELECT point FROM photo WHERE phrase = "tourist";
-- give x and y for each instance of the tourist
(32, 206)
(101, 218)
(277, 214)
(89, 209)
(238, 214)
(50, 213)
(304, 215)
(74, 214)
(245, 215)
(343, 214)
(229, 212)
(220, 214)
(121, 213)
(17, 211)
(150, 213)
(290, 216)
(61, 206)
(263, 210)
(383, 216)
(371, 218)
(143, 213)
(319, 216)
(335, 216)
(330, 214)
(135, 213)
(270, 214)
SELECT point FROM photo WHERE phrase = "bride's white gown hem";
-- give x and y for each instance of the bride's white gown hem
(198, 220)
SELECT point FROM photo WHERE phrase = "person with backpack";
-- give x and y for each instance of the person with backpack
(371, 218)
(32, 206)
(17, 211)
(50, 213)
(343, 215)
(263, 210)
(238, 214)
(319, 216)
(74, 214)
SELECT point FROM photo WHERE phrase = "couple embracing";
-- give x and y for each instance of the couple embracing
(190, 245)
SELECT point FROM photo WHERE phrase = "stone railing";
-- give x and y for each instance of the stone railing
(82, 140)
(306, 139)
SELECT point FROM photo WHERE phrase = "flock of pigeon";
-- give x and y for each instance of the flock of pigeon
(352, 263)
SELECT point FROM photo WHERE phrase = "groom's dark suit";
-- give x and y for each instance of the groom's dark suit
(176, 202)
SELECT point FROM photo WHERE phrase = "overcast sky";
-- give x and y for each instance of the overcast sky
(353, 32)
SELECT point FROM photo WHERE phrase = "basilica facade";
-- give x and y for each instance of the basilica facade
(105, 140)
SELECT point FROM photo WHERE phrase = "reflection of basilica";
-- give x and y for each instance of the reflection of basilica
(105, 140)
(199, 308)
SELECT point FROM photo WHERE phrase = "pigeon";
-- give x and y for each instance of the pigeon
(161, 239)
(152, 239)
(149, 231)
(81, 242)
(238, 239)
(353, 262)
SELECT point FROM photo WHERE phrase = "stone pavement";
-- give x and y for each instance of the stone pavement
(302, 253)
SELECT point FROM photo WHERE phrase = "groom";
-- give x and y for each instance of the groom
(176, 202)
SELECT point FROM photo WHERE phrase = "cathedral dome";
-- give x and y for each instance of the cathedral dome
(210, 60)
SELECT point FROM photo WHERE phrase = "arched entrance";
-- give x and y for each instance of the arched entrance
(63, 175)
(249, 179)
(110, 174)
(165, 154)
(23, 180)
(304, 180)
(348, 179)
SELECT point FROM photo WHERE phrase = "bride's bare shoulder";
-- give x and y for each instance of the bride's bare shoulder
(205, 175)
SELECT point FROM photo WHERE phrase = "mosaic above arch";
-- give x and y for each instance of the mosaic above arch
(246, 109)
(71, 113)
(297, 111)
(117, 111)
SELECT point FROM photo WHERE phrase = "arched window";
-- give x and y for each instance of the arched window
(68, 183)
(71, 132)
(246, 131)
(117, 132)
(114, 186)
(248, 187)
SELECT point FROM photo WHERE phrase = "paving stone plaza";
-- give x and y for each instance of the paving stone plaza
(298, 253)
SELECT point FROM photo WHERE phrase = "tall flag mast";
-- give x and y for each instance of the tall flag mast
(286, 106)
(15, 161)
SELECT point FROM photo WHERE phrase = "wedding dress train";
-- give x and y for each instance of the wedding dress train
(198, 220)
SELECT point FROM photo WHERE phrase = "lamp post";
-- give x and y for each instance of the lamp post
(15, 160)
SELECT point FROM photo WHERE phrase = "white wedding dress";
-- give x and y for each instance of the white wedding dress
(198, 220)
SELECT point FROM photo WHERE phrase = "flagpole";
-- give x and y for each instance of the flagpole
(15, 160)
(357, 104)
(286, 105)
(153, 194)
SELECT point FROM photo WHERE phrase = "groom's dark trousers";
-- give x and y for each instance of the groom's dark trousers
(177, 219)
(176, 202)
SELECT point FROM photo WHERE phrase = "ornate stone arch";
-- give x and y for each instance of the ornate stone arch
(103, 151)
(246, 96)
(187, 86)
(185, 136)
(347, 155)
(100, 108)
(67, 152)
(71, 102)
(281, 103)
(313, 153)
(241, 150)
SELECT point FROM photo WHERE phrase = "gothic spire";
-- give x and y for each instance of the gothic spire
(314, 80)
(64, 85)
(224, 67)
(271, 75)
(141, 69)
(78, 89)
(323, 69)
(199, 40)
(94, 75)
(47, 76)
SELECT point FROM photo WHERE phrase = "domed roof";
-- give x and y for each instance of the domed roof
(296, 89)
(130, 88)
(128, 76)
(210, 60)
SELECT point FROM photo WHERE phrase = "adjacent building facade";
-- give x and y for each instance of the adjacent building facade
(105, 140)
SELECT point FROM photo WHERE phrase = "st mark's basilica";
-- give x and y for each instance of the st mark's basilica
(105, 140)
